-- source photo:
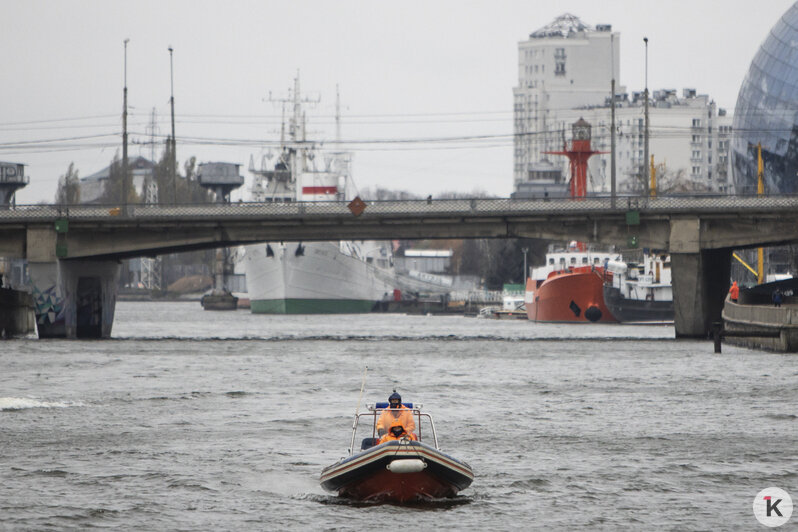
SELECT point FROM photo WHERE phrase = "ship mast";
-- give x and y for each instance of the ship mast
(297, 134)
(296, 142)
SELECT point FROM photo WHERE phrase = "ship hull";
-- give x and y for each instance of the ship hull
(313, 278)
(636, 310)
(570, 296)
(311, 306)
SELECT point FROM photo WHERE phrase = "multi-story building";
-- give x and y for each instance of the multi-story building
(562, 66)
(565, 73)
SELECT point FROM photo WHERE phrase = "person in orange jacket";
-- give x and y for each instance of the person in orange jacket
(396, 412)
(734, 291)
(397, 432)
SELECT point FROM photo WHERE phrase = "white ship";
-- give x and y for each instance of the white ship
(313, 277)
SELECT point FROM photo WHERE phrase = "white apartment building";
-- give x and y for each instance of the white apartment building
(565, 73)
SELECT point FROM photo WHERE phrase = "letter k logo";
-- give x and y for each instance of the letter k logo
(772, 506)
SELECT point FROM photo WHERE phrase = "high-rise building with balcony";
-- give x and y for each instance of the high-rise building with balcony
(565, 73)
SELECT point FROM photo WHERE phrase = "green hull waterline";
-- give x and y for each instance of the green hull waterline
(311, 306)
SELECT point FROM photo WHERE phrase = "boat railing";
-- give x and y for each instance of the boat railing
(374, 413)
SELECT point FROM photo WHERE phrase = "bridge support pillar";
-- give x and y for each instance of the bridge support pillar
(700, 283)
(75, 298)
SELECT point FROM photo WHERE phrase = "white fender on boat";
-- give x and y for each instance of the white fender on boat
(406, 465)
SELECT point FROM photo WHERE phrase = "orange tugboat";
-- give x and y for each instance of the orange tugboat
(569, 287)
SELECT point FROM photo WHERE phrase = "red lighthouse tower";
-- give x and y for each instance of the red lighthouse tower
(578, 155)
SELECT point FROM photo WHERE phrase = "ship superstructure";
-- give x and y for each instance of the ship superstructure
(312, 277)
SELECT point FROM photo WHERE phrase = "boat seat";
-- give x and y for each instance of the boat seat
(387, 405)
(368, 442)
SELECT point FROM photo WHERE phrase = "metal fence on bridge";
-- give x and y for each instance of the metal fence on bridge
(406, 208)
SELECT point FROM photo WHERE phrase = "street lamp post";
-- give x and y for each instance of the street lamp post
(173, 162)
(124, 135)
(646, 140)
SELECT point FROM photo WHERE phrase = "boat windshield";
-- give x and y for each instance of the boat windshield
(364, 428)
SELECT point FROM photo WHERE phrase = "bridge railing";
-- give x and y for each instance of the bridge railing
(405, 208)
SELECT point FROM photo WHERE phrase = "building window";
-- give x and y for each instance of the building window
(559, 62)
(696, 122)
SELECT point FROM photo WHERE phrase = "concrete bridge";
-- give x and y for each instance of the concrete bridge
(73, 251)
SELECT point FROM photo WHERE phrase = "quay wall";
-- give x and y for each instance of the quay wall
(741, 317)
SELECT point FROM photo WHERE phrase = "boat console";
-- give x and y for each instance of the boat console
(366, 424)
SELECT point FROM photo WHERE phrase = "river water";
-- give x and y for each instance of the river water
(191, 420)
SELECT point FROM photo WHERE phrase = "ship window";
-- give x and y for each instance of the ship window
(584, 260)
(573, 260)
(562, 261)
(551, 261)
(595, 260)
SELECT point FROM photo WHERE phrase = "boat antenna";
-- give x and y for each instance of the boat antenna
(357, 410)
(362, 387)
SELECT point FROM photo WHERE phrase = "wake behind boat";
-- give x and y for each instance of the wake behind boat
(408, 468)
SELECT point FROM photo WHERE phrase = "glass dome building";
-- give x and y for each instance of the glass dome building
(767, 113)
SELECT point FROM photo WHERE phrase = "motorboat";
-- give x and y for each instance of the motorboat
(403, 470)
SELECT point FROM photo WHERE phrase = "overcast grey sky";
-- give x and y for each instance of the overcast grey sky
(407, 70)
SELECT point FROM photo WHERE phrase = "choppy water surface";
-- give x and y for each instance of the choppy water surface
(196, 420)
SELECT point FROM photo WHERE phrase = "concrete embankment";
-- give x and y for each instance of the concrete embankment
(755, 318)
(16, 313)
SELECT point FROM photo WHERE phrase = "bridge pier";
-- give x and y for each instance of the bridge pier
(700, 283)
(74, 298)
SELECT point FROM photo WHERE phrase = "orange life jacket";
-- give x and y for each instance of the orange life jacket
(402, 414)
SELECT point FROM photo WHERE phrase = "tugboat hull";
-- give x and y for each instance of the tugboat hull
(569, 296)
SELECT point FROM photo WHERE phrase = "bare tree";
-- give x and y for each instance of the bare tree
(68, 187)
